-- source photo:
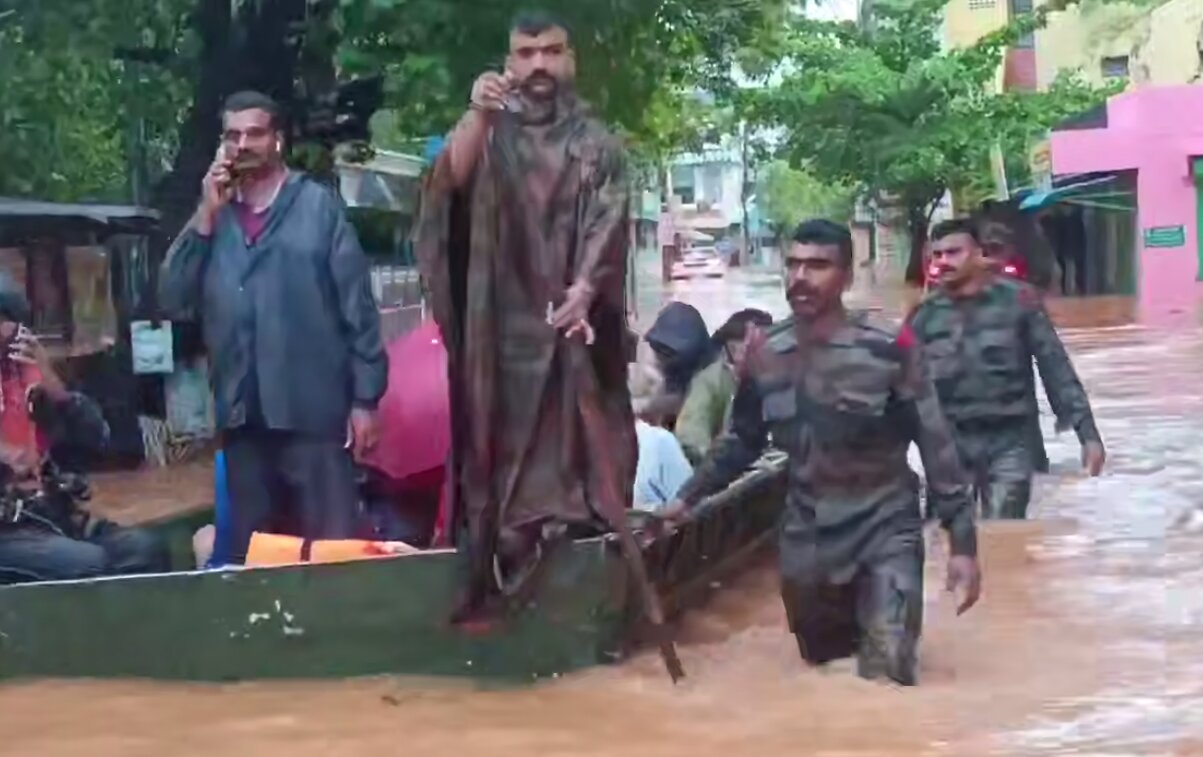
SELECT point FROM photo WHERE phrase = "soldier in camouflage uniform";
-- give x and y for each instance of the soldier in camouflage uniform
(845, 396)
(979, 334)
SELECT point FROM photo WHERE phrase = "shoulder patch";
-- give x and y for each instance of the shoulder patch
(906, 337)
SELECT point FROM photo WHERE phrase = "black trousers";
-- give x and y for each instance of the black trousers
(282, 476)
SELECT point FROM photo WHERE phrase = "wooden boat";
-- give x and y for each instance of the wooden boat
(380, 616)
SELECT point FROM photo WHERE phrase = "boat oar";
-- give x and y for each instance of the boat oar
(614, 506)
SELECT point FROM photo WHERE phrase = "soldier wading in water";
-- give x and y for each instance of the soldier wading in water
(979, 333)
(845, 396)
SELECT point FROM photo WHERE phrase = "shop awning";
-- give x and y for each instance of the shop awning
(1092, 192)
(73, 223)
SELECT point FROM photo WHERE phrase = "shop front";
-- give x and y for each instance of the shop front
(1144, 145)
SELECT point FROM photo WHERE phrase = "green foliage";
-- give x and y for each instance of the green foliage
(72, 112)
(789, 196)
(68, 107)
(882, 107)
(638, 62)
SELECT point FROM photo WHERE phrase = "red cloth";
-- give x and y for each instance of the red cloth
(17, 429)
(415, 412)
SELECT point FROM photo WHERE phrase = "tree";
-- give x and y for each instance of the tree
(789, 196)
(70, 106)
(882, 107)
(79, 77)
(639, 61)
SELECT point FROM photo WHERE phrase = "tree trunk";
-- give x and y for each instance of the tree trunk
(918, 216)
(176, 194)
(255, 49)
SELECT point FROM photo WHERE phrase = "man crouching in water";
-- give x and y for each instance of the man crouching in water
(845, 397)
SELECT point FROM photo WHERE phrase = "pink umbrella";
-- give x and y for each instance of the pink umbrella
(415, 412)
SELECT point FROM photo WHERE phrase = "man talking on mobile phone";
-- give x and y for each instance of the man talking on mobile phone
(274, 272)
(45, 424)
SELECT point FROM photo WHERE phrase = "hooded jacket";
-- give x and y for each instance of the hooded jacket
(680, 330)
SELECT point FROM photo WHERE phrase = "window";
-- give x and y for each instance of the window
(683, 183)
(981, 5)
(1115, 67)
(712, 184)
(1020, 8)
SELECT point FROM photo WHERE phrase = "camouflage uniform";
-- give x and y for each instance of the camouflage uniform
(979, 352)
(546, 207)
(851, 543)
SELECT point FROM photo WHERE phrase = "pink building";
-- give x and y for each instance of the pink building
(1157, 133)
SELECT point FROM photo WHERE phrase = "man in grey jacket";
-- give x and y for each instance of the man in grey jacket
(273, 270)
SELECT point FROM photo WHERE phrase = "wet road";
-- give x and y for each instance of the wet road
(1087, 640)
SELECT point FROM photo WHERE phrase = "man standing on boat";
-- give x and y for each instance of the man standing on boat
(523, 243)
(845, 396)
(980, 332)
(271, 266)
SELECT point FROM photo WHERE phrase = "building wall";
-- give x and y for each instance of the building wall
(1161, 44)
(1173, 52)
(967, 21)
(716, 179)
(1077, 39)
(1156, 131)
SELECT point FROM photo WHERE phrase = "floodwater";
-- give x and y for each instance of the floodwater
(1087, 640)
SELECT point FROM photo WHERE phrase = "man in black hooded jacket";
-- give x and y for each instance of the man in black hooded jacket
(682, 345)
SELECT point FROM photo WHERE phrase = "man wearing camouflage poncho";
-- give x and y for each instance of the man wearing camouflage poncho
(523, 241)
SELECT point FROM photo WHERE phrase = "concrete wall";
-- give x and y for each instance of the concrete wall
(1171, 54)
(1077, 39)
(1156, 131)
(967, 21)
(1162, 44)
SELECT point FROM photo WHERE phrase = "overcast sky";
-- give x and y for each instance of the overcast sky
(833, 10)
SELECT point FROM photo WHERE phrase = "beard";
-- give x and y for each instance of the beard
(541, 86)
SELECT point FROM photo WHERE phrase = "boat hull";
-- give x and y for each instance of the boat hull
(372, 617)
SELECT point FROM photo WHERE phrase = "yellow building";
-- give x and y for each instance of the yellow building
(1158, 42)
(967, 21)
(1147, 44)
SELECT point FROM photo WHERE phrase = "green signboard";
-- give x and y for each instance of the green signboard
(1165, 236)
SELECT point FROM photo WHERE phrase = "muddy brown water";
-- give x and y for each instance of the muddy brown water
(1087, 641)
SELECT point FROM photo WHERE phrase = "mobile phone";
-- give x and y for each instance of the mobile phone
(19, 340)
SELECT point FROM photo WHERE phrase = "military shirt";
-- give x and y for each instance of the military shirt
(846, 410)
(979, 351)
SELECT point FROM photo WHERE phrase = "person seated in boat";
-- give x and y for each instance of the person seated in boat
(662, 466)
(707, 408)
(41, 419)
(682, 347)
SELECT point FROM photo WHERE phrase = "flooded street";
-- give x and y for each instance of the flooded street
(1087, 639)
